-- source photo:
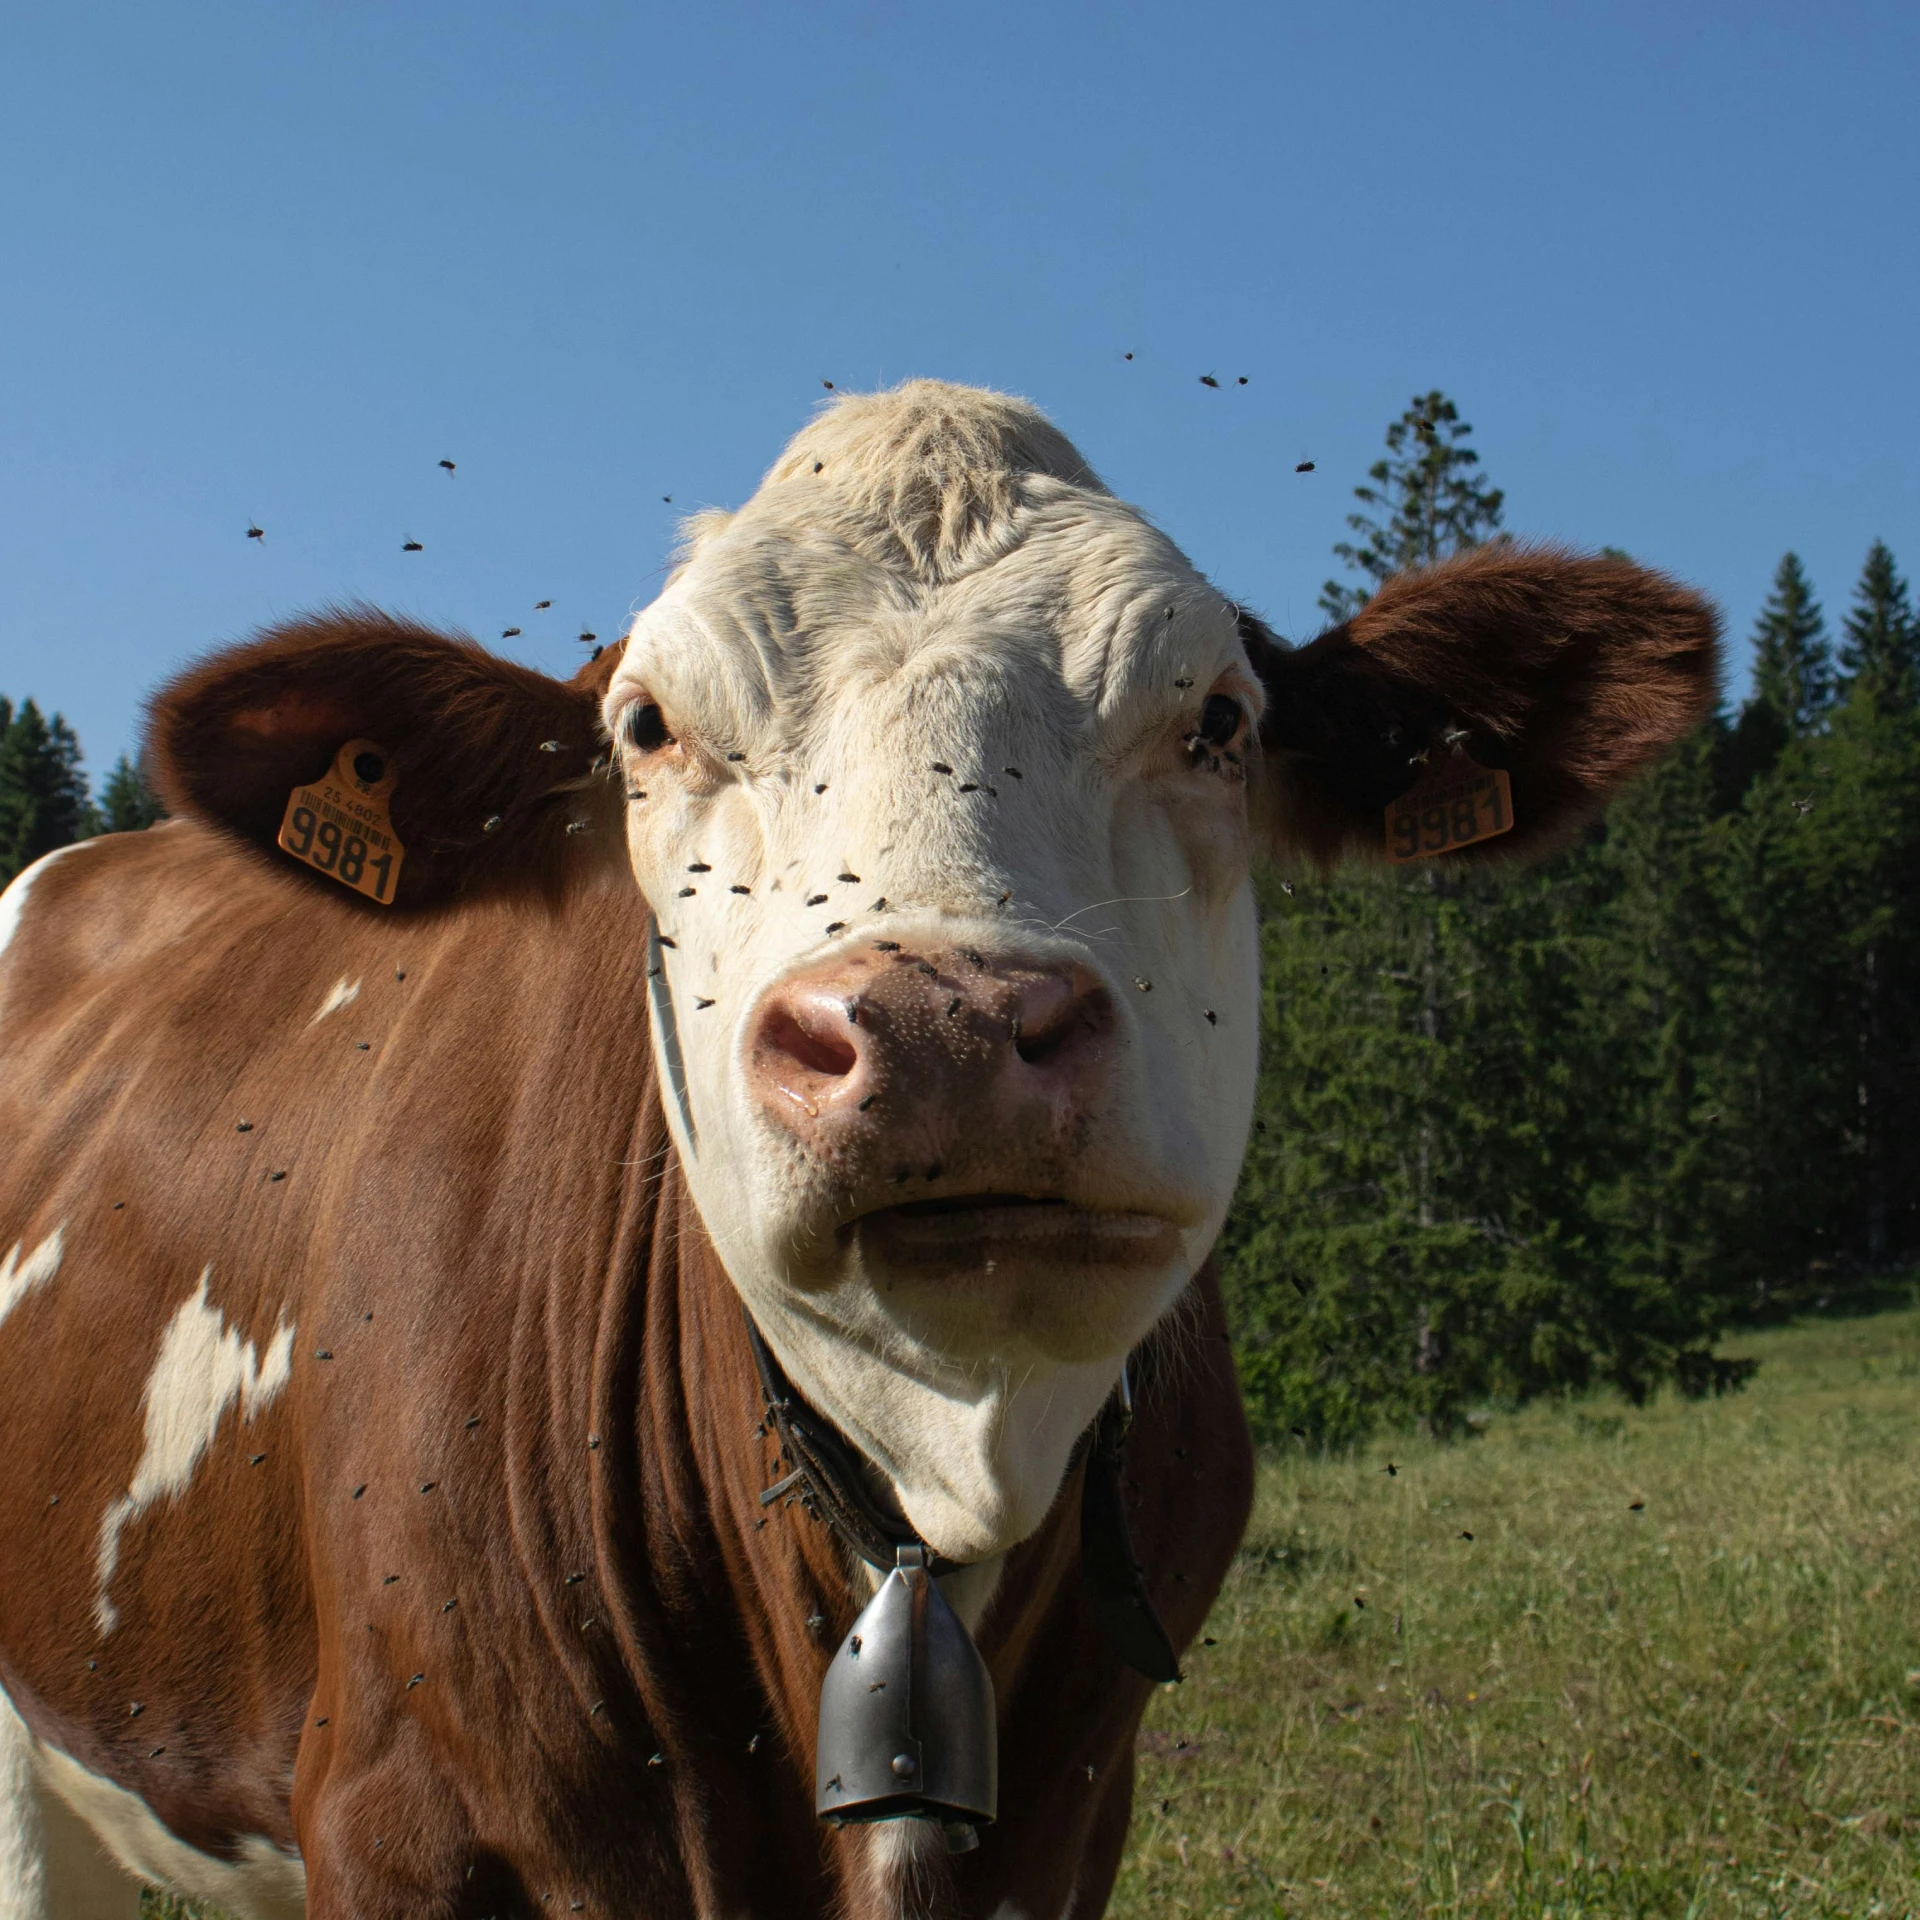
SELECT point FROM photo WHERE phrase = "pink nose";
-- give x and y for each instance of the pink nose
(907, 1055)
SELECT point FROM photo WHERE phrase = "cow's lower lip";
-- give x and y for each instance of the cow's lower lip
(980, 1229)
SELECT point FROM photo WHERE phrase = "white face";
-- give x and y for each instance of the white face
(956, 999)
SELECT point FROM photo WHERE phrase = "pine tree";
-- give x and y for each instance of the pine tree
(1881, 651)
(43, 792)
(1424, 502)
(1792, 675)
(127, 803)
(1656, 945)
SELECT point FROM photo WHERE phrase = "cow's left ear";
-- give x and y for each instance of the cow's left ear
(1568, 672)
(484, 765)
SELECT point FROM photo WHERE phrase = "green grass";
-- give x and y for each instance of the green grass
(1706, 1707)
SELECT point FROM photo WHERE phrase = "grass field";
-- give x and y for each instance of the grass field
(1675, 1670)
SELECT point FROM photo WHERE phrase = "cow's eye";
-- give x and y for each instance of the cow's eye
(1220, 718)
(645, 727)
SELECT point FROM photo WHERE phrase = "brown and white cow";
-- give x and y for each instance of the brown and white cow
(380, 1530)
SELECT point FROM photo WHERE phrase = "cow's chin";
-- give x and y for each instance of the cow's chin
(965, 1344)
(1012, 1277)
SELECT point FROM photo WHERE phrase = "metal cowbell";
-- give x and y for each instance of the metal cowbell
(907, 1726)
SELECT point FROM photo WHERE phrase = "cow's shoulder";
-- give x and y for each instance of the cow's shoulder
(99, 906)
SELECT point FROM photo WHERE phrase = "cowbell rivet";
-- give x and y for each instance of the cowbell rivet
(903, 1765)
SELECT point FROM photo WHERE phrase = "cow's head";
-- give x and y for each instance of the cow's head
(941, 770)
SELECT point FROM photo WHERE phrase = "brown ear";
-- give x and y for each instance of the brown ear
(1570, 672)
(491, 763)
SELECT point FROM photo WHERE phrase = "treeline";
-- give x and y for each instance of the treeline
(44, 798)
(1533, 1130)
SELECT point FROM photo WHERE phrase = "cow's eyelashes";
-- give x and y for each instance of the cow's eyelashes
(1220, 719)
(645, 729)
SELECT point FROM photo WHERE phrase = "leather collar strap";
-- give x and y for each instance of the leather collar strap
(824, 1476)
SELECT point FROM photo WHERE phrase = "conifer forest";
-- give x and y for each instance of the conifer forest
(1529, 1131)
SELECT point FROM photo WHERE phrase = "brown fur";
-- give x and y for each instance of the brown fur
(1570, 671)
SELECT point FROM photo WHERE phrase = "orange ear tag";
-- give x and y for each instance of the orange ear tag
(1453, 804)
(340, 823)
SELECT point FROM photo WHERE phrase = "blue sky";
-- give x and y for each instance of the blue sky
(273, 263)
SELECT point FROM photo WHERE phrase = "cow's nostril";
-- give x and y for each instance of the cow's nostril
(1050, 1023)
(822, 1053)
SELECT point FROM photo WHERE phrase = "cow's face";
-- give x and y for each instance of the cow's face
(955, 993)
(942, 768)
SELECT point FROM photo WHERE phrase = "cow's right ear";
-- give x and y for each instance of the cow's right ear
(1567, 672)
(488, 765)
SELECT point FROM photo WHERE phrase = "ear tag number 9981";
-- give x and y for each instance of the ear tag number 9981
(341, 824)
(1450, 806)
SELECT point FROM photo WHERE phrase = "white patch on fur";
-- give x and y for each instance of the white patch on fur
(75, 1846)
(18, 1277)
(14, 900)
(906, 1868)
(204, 1366)
(51, 1866)
(342, 993)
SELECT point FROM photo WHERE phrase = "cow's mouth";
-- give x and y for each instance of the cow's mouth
(981, 1231)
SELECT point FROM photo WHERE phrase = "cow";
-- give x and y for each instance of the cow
(837, 1003)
